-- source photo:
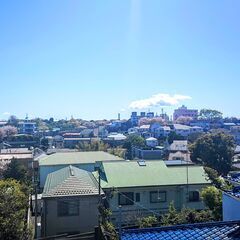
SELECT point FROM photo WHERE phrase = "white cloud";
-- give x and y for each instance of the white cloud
(6, 113)
(160, 99)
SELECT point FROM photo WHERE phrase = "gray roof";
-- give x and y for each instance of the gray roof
(70, 181)
(179, 145)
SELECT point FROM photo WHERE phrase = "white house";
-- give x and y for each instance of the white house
(151, 142)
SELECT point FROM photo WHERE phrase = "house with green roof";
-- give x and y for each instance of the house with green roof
(147, 188)
(88, 161)
(70, 202)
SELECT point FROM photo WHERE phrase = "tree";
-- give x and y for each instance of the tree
(212, 198)
(209, 114)
(17, 171)
(185, 216)
(44, 143)
(214, 150)
(174, 136)
(13, 121)
(13, 206)
(7, 131)
(133, 141)
(147, 222)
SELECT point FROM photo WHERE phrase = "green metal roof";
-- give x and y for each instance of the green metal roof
(155, 173)
(70, 181)
(76, 158)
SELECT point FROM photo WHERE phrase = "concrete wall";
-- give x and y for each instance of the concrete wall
(231, 208)
(177, 194)
(87, 219)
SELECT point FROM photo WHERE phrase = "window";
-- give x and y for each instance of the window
(126, 198)
(157, 197)
(137, 197)
(194, 196)
(68, 208)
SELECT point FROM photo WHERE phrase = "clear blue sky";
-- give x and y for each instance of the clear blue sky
(91, 59)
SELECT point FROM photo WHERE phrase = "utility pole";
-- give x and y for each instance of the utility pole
(36, 198)
(120, 222)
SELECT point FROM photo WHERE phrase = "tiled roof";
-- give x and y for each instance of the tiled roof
(67, 158)
(235, 178)
(203, 231)
(70, 181)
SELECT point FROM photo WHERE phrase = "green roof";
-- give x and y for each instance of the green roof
(65, 158)
(70, 181)
(155, 173)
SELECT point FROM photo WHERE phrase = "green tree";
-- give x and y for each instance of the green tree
(212, 197)
(174, 136)
(214, 150)
(133, 141)
(17, 171)
(147, 222)
(13, 206)
(210, 114)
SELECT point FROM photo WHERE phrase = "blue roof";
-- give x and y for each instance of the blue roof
(201, 231)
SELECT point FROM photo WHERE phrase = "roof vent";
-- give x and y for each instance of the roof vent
(71, 170)
(141, 163)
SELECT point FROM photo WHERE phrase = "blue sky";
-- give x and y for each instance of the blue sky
(92, 59)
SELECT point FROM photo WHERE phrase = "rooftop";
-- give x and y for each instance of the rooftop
(67, 158)
(179, 145)
(153, 173)
(202, 231)
(70, 181)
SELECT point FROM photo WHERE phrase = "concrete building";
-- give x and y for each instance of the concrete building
(70, 202)
(27, 127)
(145, 187)
(185, 112)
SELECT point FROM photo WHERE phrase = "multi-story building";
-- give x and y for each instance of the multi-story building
(185, 112)
(27, 127)
(144, 187)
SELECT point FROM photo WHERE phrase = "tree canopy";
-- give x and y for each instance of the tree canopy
(13, 205)
(133, 141)
(214, 150)
(210, 114)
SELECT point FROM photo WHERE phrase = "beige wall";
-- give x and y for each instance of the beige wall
(52, 224)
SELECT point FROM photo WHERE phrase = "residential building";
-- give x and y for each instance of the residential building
(183, 156)
(27, 127)
(70, 202)
(151, 142)
(73, 142)
(162, 131)
(88, 161)
(235, 131)
(179, 146)
(144, 187)
(185, 112)
(231, 205)
(22, 155)
(115, 139)
(182, 130)
(200, 231)
(134, 119)
(148, 153)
